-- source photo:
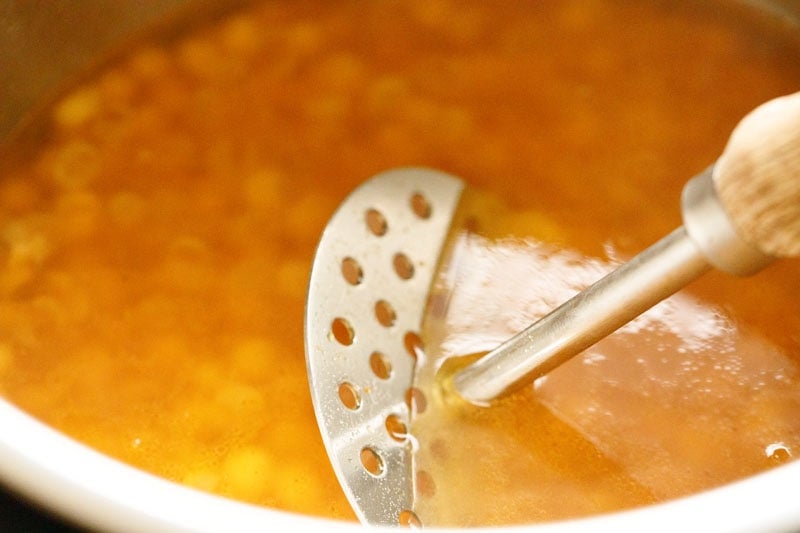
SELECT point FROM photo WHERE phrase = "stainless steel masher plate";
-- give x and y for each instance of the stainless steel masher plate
(367, 294)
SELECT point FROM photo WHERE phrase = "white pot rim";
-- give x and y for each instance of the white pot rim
(96, 491)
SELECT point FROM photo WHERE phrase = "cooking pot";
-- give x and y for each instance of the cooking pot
(43, 43)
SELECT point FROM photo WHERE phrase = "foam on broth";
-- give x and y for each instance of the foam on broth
(155, 242)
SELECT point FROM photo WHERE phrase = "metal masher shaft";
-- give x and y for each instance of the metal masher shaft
(592, 314)
(706, 239)
(737, 216)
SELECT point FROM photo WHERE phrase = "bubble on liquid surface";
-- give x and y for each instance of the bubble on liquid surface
(778, 452)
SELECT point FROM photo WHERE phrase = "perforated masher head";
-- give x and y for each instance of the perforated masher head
(367, 294)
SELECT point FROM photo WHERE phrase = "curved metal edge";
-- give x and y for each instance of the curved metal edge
(376, 499)
(96, 491)
(101, 493)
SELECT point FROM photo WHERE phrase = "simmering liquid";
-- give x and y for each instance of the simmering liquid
(684, 398)
(158, 222)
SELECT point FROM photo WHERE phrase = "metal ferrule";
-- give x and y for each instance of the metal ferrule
(709, 226)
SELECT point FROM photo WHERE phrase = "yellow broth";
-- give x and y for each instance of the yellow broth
(155, 240)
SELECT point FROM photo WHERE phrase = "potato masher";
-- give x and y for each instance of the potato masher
(378, 255)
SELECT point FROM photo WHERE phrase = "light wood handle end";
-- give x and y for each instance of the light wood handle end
(758, 177)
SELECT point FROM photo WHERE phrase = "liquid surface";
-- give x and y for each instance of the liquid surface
(156, 237)
(682, 399)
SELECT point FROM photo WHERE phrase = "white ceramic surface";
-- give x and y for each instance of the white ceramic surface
(98, 492)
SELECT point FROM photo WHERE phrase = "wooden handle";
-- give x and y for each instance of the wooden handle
(758, 177)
